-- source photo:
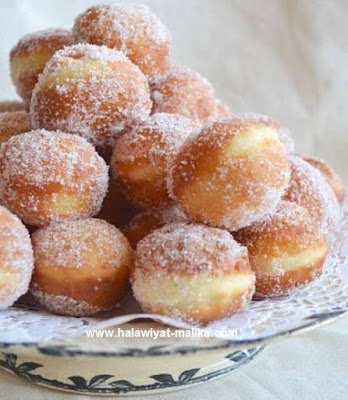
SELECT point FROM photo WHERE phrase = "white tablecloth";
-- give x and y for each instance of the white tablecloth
(284, 58)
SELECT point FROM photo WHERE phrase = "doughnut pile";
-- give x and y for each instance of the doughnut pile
(132, 176)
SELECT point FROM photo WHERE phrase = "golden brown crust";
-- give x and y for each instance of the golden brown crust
(192, 272)
(30, 55)
(92, 91)
(13, 123)
(273, 286)
(84, 261)
(185, 92)
(289, 235)
(147, 221)
(12, 105)
(132, 29)
(330, 175)
(309, 189)
(51, 176)
(185, 249)
(116, 209)
(142, 155)
(232, 174)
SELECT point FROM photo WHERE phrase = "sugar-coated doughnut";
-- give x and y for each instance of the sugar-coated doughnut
(185, 92)
(142, 155)
(222, 110)
(192, 272)
(116, 209)
(81, 267)
(16, 258)
(309, 189)
(285, 250)
(147, 221)
(330, 175)
(232, 174)
(30, 55)
(90, 90)
(132, 29)
(51, 176)
(13, 123)
(12, 105)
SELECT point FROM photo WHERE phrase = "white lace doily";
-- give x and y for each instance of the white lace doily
(326, 297)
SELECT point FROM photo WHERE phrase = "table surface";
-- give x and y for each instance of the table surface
(308, 367)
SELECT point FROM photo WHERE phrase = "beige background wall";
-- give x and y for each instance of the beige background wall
(284, 58)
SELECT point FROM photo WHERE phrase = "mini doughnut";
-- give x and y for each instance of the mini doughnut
(51, 176)
(285, 250)
(12, 105)
(185, 92)
(16, 258)
(232, 174)
(222, 110)
(147, 221)
(116, 209)
(132, 29)
(92, 91)
(30, 55)
(192, 272)
(309, 189)
(142, 155)
(81, 267)
(13, 123)
(330, 175)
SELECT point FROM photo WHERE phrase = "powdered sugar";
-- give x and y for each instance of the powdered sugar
(284, 242)
(63, 304)
(149, 146)
(50, 165)
(217, 185)
(12, 105)
(133, 29)
(168, 132)
(32, 41)
(97, 249)
(13, 123)
(69, 244)
(184, 91)
(90, 90)
(309, 189)
(190, 249)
